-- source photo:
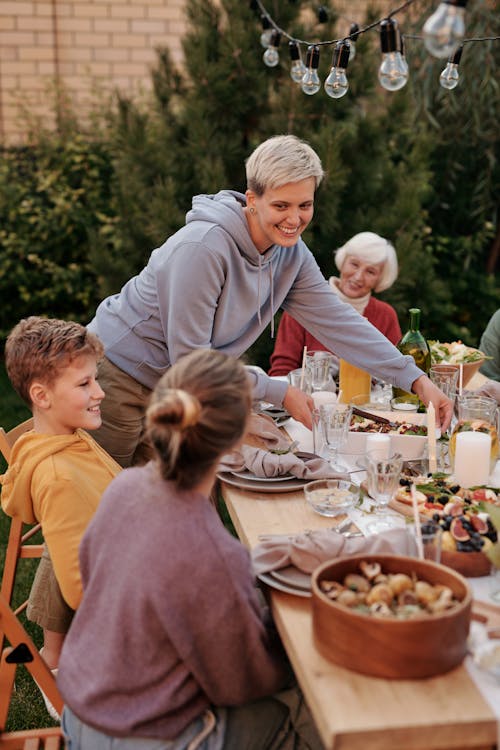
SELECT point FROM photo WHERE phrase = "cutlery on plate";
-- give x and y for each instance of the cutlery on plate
(373, 417)
(282, 451)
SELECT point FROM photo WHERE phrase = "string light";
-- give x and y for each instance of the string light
(267, 31)
(441, 34)
(297, 68)
(271, 55)
(310, 81)
(336, 84)
(393, 71)
(449, 77)
(353, 37)
(445, 28)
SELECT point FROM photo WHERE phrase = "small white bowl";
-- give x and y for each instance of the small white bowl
(331, 497)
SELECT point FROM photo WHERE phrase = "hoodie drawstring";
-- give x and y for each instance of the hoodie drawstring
(271, 281)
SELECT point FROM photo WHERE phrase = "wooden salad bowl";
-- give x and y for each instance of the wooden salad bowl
(425, 646)
(468, 564)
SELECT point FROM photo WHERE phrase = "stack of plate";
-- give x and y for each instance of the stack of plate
(291, 580)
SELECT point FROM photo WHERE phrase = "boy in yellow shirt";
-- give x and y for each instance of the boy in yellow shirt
(57, 472)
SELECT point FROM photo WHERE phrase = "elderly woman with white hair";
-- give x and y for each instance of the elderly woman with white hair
(367, 263)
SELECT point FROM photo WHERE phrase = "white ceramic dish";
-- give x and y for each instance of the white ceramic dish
(410, 446)
(248, 475)
(292, 484)
(268, 579)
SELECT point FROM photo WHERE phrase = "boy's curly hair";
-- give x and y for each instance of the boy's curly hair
(40, 348)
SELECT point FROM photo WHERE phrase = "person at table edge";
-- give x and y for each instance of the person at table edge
(367, 262)
(217, 283)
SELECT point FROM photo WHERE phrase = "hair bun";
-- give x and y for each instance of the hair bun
(177, 408)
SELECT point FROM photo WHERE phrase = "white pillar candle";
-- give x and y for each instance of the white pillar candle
(378, 446)
(472, 458)
(323, 397)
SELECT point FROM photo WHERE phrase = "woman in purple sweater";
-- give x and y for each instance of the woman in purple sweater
(170, 648)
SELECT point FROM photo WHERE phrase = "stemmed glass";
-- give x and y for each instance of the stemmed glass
(383, 476)
(335, 421)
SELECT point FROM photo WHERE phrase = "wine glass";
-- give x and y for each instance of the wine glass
(383, 476)
(335, 423)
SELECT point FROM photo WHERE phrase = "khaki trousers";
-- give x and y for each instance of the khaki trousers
(122, 432)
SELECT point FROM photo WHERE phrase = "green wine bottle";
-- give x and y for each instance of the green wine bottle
(415, 344)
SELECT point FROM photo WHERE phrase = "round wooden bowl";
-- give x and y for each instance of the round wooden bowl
(469, 369)
(383, 647)
(468, 564)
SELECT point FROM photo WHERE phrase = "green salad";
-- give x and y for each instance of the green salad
(454, 354)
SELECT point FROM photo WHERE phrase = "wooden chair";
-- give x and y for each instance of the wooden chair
(22, 650)
(17, 548)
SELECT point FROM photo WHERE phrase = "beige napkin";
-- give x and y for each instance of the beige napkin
(262, 463)
(262, 431)
(308, 550)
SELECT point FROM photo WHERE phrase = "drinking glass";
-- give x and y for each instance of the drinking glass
(300, 378)
(318, 365)
(446, 379)
(335, 422)
(383, 479)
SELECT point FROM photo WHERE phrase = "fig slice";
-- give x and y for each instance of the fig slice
(458, 531)
(478, 524)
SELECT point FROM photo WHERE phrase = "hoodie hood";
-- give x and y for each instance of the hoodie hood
(28, 455)
(225, 209)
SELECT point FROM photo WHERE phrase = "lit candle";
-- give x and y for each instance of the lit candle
(323, 397)
(472, 458)
(378, 446)
(431, 436)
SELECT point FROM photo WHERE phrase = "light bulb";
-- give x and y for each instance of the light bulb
(265, 37)
(297, 68)
(402, 53)
(445, 29)
(310, 80)
(271, 55)
(336, 84)
(449, 77)
(393, 71)
(353, 38)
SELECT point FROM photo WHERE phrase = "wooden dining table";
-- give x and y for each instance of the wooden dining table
(353, 711)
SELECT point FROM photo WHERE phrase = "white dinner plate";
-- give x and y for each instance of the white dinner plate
(293, 577)
(247, 474)
(292, 484)
(269, 580)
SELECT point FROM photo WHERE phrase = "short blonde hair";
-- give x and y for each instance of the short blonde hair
(198, 411)
(280, 160)
(373, 249)
(39, 349)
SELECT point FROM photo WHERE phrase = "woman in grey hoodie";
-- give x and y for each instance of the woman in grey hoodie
(217, 283)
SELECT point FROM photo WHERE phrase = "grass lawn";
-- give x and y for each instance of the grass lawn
(27, 710)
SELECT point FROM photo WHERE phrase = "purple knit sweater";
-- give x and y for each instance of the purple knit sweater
(169, 622)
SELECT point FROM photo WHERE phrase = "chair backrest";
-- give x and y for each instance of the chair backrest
(7, 439)
(22, 650)
(16, 545)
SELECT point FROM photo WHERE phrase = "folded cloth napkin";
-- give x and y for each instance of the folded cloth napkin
(262, 463)
(262, 430)
(308, 550)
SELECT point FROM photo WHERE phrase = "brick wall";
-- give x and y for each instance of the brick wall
(87, 45)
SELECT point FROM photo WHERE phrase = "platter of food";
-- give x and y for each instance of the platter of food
(467, 528)
(408, 434)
